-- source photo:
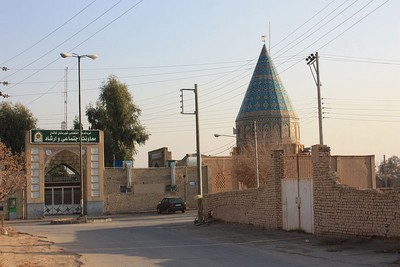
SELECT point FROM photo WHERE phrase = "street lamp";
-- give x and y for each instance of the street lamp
(227, 135)
(93, 56)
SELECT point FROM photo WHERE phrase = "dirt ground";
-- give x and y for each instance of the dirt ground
(23, 250)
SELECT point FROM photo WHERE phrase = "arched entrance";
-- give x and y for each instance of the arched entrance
(53, 172)
(62, 184)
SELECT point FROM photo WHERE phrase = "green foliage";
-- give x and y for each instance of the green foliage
(117, 115)
(76, 123)
(15, 120)
(391, 169)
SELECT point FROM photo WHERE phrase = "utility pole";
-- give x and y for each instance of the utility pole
(5, 83)
(384, 171)
(200, 215)
(256, 154)
(314, 61)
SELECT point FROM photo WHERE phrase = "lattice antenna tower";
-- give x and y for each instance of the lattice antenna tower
(66, 99)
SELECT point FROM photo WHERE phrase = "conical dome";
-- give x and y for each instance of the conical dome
(267, 103)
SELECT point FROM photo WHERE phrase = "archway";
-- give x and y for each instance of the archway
(62, 184)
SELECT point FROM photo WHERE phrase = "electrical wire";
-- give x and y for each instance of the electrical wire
(49, 34)
(334, 37)
(295, 30)
(354, 24)
(60, 44)
(296, 42)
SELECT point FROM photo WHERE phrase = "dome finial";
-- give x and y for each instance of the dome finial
(263, 38)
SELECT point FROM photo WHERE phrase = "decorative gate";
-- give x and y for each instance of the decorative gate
(62, 200)
(62, 192)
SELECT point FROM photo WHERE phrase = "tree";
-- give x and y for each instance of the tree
(15, 120)
(117, 115)
(244, 164)
(389, 169)
(76, 123)
(12, 172)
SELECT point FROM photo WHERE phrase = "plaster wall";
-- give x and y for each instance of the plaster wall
(149, 186)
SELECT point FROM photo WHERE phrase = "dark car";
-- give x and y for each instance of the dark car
(171, 204)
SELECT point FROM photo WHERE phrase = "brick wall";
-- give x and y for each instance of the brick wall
(256, 206)
(148, 188)
(340, 209)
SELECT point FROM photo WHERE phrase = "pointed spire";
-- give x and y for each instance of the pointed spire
(267, 103)
(266, 95)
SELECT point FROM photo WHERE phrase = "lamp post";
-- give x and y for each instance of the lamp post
(93, 56)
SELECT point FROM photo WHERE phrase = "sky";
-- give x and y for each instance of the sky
(159, 47)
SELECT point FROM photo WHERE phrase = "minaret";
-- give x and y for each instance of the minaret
(267, 105)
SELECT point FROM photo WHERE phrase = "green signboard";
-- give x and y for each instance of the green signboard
(64, 136)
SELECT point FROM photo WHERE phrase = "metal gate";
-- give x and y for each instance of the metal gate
(62, 200)
(297, 204)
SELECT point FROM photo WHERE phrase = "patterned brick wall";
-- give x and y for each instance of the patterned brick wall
(256, 206)
(340, 209)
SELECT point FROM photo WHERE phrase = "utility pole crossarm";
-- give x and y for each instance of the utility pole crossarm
(182, 102)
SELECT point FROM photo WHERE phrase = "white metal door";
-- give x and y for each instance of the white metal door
(306, 205)
(290, 209)
(297, 205)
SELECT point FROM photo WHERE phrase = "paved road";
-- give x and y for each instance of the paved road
(173, 240)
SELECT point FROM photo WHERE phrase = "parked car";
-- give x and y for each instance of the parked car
(171, 204)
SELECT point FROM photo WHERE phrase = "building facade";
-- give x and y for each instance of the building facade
(53, 172)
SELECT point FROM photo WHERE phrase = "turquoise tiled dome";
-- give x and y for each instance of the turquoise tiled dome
(265, 95)
(267, 104)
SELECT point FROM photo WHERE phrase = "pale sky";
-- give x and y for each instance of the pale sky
(159, 47)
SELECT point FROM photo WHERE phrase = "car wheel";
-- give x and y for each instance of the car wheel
(183, 211)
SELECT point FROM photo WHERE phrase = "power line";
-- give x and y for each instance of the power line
(354, 24)
(231, 144)
(368, 109)
(326, 23)
(362, 115)
(336, 36)
(360, 99)
(143, 75)
(349, 119)
(295, 30)
(49, 34)
(63, 42)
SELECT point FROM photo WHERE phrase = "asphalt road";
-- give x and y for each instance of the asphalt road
(173, 240)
